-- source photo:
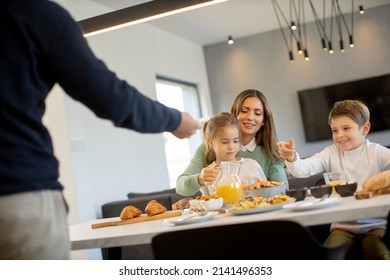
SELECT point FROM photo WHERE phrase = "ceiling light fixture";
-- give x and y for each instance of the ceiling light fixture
(230, 40)
(139, 13)
(299, 33)
(331, 16)
(293, 25)
(361, 9)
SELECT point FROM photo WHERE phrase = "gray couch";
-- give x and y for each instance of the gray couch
(167, 198)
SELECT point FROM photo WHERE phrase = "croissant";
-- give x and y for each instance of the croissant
(377, 182)
(361, 194)
(154, 208)
(130, 212)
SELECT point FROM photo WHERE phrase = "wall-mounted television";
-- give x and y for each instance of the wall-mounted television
(316, 104)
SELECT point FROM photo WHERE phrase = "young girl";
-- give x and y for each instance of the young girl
(222, 137)
(349, 121)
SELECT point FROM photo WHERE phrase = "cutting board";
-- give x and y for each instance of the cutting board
(142, 218)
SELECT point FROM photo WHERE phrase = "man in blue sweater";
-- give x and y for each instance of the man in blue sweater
(42, 45)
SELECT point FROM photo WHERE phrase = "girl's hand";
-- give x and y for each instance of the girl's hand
(208, 175)
(286, 150)
(182, 204)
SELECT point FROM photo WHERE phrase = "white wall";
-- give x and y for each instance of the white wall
(261, 62)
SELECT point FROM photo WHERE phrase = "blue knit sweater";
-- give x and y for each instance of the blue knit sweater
(40, 45)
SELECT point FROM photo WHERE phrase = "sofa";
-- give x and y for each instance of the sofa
(167, 198)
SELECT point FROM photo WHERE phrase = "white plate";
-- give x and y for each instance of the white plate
(260, 209)
(313, 204)
(196, 219)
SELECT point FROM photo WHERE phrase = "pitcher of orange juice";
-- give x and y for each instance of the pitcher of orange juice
(228, 185)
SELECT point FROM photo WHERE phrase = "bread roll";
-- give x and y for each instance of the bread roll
(377, 182)
(383, 191)
(154, 208)
(362, 194)
(130, 212)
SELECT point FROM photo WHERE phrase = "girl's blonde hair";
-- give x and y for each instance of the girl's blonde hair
(266, 136)
(212, 128)
(355, 109)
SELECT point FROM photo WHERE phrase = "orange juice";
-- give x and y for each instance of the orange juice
(230, 193)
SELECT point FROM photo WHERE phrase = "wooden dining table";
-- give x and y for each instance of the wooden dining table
(83, 236)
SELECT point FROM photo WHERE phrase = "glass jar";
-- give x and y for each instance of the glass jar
(228, 185)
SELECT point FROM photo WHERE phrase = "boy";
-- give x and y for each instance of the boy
(351, 152)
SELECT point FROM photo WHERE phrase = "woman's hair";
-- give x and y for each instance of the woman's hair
(355, 109)
(212, 128)
(266, 136)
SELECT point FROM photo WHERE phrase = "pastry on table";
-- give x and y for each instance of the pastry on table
(376, 185)
(130, 212)
(377, 182)
(154, 208)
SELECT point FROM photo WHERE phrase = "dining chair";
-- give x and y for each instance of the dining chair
(268, 240)
(319, 182)
(386, 237)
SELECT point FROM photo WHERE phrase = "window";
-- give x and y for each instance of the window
(184, 97)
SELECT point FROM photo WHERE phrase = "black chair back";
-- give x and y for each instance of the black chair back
(268, 240)
(386, 237)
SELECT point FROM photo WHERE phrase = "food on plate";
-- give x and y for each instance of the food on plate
(264, 184)
(154, 208)
(130, 212)
(376, 185)
(206, 197)
(259, 201)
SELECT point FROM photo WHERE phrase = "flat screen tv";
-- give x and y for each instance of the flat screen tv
(316, 104)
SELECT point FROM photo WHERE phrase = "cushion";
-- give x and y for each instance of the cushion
(135, 194)
(298, 183)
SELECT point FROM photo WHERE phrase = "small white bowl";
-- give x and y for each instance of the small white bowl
(209, 205)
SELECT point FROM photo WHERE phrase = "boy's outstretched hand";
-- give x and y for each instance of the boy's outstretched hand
(286, 150)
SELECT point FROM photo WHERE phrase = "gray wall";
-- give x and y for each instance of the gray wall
(261, 62)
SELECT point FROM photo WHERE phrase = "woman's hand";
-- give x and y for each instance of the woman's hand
(286, 150)
(208, 175)
(182, 204)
